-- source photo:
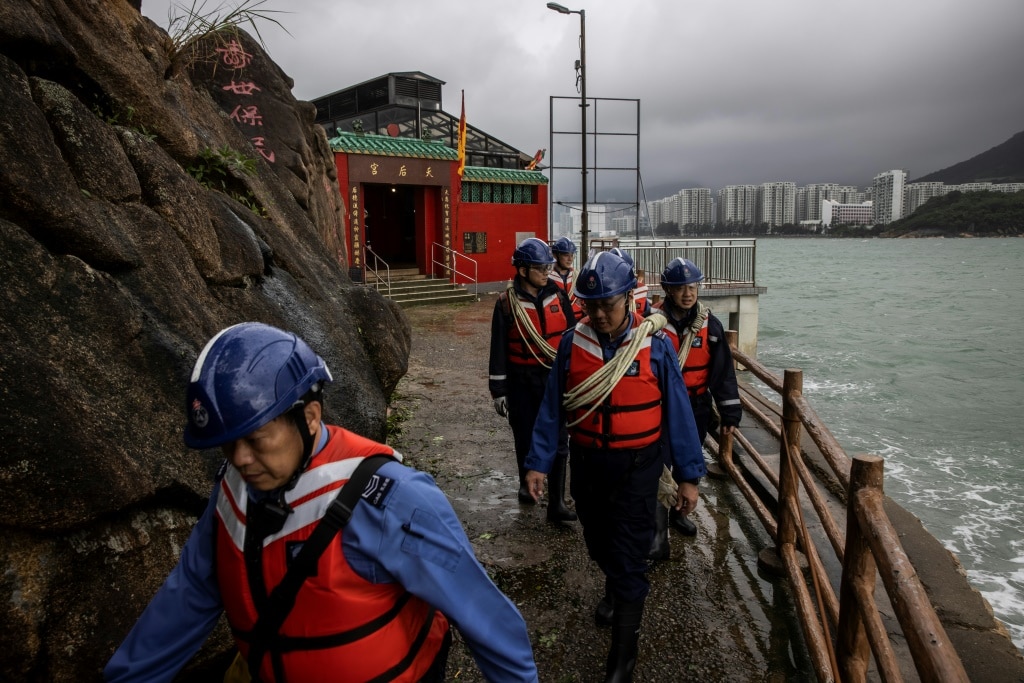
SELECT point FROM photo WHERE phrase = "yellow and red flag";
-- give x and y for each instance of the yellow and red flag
(462, 137)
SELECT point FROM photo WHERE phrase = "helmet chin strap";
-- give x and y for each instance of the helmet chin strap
(298, 414)
(277, 508)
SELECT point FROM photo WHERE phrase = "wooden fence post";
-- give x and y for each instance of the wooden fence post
(853, 651)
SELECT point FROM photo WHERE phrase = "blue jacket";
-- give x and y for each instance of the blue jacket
(679, 431)
(446, 574)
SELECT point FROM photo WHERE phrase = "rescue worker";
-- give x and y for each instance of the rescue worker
(562, 274)
(528, 319)
(616, 383)
(660, 548)
(306, 599)
(704, 356)
(641, 302)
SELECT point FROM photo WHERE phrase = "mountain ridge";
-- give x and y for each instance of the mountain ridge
(1003, 163)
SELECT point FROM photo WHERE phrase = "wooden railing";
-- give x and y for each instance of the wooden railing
(870, 547)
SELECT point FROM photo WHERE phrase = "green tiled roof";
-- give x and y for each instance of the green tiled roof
(482, 174)
(387, 146)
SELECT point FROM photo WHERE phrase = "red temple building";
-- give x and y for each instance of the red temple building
(395, 149)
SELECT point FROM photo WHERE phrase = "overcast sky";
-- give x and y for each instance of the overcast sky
(731, 92)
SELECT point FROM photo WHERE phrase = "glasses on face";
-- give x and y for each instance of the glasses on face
(604, 305)
(546, 268)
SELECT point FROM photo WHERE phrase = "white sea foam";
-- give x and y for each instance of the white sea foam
(914, 370)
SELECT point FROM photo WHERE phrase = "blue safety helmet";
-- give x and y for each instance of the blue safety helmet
(681, 271)
(246, 376)
(603, 275)
(563, 245)
(532, 252)
(624, 255)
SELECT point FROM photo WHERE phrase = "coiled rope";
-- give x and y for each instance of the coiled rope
(595, 389)
(527, 331)
(693, 330)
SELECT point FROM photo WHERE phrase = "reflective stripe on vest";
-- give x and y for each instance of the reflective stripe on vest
(698, 361)
(630, 417)
(342, 627)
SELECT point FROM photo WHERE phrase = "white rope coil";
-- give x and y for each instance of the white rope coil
(527, 331)
(595, 389)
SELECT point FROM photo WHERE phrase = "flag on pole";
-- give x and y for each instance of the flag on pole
(462, 137)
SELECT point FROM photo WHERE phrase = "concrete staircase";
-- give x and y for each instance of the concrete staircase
(409, 288)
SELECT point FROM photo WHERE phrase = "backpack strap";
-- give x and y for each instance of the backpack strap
(282, 599)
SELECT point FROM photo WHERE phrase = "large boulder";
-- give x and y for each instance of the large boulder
(148, 199)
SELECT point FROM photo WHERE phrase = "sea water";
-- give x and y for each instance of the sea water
(913, 350)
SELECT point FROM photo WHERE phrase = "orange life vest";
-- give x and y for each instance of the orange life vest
(630, 416)
(698, 362)
(640, 293)
(521, 349)
(342, 627)
(566, 286)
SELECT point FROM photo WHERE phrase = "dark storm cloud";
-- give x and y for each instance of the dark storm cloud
(731, 92)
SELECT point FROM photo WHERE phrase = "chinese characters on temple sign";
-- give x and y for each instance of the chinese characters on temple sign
(233, 56)
(374, 168)
(430, 172)
(357, 256)
(402, 172)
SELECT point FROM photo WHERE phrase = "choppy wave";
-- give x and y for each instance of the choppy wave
(905, 355)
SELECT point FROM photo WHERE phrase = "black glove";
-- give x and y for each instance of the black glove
(501, 406)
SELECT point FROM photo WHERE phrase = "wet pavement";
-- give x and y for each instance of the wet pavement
(710, 617)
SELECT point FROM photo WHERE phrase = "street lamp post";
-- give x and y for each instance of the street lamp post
(584, 231)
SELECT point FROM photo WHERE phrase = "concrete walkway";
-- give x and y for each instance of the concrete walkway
(712, 614)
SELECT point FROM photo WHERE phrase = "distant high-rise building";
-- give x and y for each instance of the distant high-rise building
(814, 194)
(887, 199)
(916, 194)
(694, 207)
(624, 226)
(737, 205)
(776, 203)
(837, 213)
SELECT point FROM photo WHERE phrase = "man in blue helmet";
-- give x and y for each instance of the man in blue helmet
(562, 274)
(616, 385)
(331, 559)
(704, 356)
(641, 301)
(528, 320)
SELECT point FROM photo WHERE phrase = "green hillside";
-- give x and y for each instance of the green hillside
(985, 214)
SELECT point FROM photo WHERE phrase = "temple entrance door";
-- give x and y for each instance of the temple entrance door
(391, 225)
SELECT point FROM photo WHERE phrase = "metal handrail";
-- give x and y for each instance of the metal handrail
(376, 268)
(450, 264)
(724, 262)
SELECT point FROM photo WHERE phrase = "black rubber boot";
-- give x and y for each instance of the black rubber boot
(557, 511)
(660, 548)
(605, 612)
(682, 523)
(625, 637)
(524, 495)
(524, 492)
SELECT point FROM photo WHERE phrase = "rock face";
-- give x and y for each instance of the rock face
(117, 265)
